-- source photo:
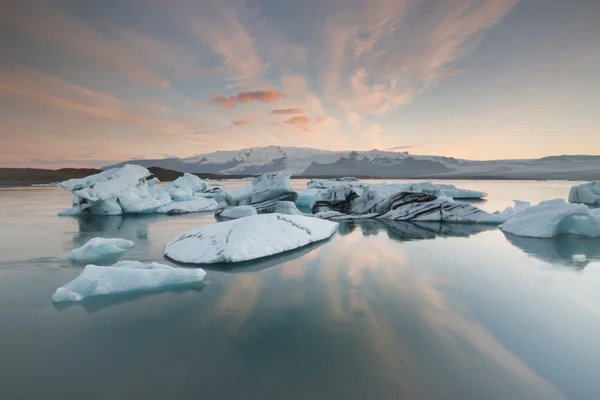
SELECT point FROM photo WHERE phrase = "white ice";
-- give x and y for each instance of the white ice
(98, 248)
(554, 217)
(587, 193)
(125, 277)
(183, 207)
(248, 238)
(184, 187)
(238, 212)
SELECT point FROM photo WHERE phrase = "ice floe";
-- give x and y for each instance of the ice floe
(587, 193)
(554, 217)
(99, 248)
(125, 277)
(248, 238)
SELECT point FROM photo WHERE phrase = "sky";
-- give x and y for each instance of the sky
(88, 83)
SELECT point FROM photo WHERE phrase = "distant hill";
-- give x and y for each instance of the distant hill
(31, 176)
(308, 162)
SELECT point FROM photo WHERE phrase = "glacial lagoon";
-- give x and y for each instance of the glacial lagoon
(382, 310)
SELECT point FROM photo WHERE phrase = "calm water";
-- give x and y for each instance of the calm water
(381, 311)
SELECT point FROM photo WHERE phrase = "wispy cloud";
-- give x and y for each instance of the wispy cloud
(288, 111)
(258, 96)
(300, 121)
(409, 146)
(241, 122)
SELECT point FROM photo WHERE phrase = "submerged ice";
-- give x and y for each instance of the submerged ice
(248, 238)
(100, 248)
(125, 277)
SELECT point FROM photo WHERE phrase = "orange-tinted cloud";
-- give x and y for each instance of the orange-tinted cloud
(409, 146)
(241, 122)
(288, 111)
(301, 121)
(227, 102)
(456, 72)
(320, 119)
(260, 96)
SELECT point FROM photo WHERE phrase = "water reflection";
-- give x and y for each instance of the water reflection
(559, 249)
(404, 231)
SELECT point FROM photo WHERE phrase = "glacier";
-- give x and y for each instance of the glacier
(587, 193)
(125, 277)
(99, 248)
(248, 238)
(554, 217)
(127, 190)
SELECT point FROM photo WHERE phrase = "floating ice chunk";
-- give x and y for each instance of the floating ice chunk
(76, 210)
(183, 207)
(554, 217)
(125, 277)
(279, 207)
(264, 189)
(399, 206)
(248, 238)
(152, 182)
(579, 258)
(305, 197)
(106, 184)
(98, 248)
(184, 187)
(106, 207)
(143, 200)
(238, 212)
(587, 193)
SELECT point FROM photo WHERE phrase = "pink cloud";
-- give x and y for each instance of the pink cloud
(300, 121)
(456, 72)
(259, 96)
(320, 118)
(241, 122)
(288, 111)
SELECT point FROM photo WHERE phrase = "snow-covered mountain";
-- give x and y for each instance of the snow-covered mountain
(376, 164)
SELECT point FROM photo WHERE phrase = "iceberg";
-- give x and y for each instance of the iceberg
(438, 190)
(185, 187)
(198, 205)
(587, 193)
(237, 212)
(305, 197)
(126, 190)
(267, 194)
(125, 277)
(554, 217)
(248, 238)
(343, 202)
(99, 248)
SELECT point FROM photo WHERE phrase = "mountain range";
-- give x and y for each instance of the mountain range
(308, 162)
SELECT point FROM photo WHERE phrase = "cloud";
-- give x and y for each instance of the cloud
(288, 111)
(259, 96)
(241, 122)
(300, 121)
(51, 26)
(320, 118)
(226, 102)
(218, 24)
(455, 72)
(410, 146)
(381, 53)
